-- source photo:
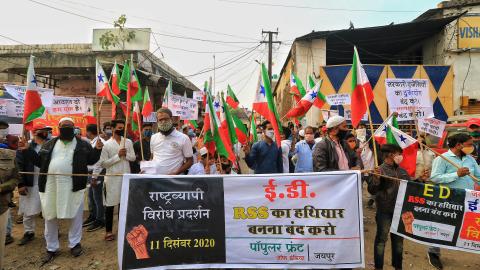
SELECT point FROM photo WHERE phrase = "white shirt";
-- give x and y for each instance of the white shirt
(198, 169)
(285, 144)
(169, 152)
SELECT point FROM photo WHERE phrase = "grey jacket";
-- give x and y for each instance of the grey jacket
(9, 177)
(325, 156)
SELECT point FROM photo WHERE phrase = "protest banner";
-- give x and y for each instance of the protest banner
(348, 115)
(198, 95)
(152, 118)
(68, 105)
(431, 126)
(249, 221)
(339, 99)
(175, 105)
(410, 98)
(52, 121)
(4, 107)
(326, 114)
(18, 93)
(191, 113)
(437, 215)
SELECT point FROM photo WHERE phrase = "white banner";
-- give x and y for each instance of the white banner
(4, 107)
(68, 105)
(348, 115)
(14, 108)
(243, 221)
(18, 92)
(432, 126)
(410, 98)
(191, 113)
(185, 108)
(198, 95)
(152, 118)
(339, 99)
(326, 114)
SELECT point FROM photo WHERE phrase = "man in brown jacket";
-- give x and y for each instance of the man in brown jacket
(9, 178)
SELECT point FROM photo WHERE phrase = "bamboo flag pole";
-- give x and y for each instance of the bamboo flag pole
(371, 126)
(140, 130)
(98, 114)
(128, 107)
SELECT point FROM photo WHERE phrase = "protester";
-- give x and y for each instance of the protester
(8, 181)
(386, 191)
(444, 173)
(264, 156)
(332, 153)
(147, 133)
(29, 199)
(61, 194)
(5, 145)
(286, 146)
(96, 218)
(205, 165)
(171, 149)
(107, 131)
(226, 166)
(424, 158)
(473, 126)
(304, 151)
(116, 154)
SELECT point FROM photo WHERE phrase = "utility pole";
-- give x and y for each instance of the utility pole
(270, 43)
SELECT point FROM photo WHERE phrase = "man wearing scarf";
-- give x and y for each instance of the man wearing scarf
(62, 184)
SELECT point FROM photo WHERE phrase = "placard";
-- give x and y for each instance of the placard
(348, 115)
(339, 99)
(410, 98)
(198, 95)
(437, 215)
(326, 114)
(18, 92)
(432, 126)
(152, 118)
(3, 107)
(68, 105)
(249, 221)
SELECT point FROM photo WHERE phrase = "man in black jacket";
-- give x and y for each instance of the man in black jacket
(332, 153)
(28, 186)
(61, 193)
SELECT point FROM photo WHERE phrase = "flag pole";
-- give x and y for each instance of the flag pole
(371, 125)
(128, 107)
(140, 133)
(98, 115)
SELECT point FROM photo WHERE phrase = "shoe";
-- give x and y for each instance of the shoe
(95, 226)
(76, 250)
(434, 260)
(88, 222)
(49, 256)
(27, 237)
(8, 239)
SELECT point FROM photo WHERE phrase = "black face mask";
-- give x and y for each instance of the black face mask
(119, 132)
(342, 134)
(66, 133)
(226, 167)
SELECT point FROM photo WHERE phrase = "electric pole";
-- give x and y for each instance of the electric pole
(270, 43)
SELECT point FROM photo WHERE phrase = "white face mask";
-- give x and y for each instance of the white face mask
(361, 134)
(270, 134)
(3, 133)
(398, 159)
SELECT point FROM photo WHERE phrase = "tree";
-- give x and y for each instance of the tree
(117, 38)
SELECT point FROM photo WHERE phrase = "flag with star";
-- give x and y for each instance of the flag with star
(232, 100)
(408, 144)
(310, 99)
(260, 104)
(103, 89)
(33, 107)
(296, 88)
(362, 93)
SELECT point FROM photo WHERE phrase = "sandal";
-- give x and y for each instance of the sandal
(109, 237)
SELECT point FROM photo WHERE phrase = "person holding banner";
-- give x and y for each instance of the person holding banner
(332, 153)
(145, 147)
(28, 186)
(460, 150)
(171, 149)
(62, 190)
(116, 154)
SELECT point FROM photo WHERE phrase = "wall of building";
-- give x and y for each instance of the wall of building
(442, 49)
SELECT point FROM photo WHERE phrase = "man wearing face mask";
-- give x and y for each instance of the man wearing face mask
(61, 194)
(226, 165)
(264, 156)
(460, 150)
(107, 131)
(332, 153)
(304, 151)
(29, 199)
(473, 126)
(116, 154)
(146, 136)
(171, 149)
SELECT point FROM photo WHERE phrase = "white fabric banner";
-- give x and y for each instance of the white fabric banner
(432, 126)
(241, 221)
(68, 105)
(410, 98)
(18, 92)
(339, 99)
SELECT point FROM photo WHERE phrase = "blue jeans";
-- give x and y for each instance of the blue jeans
(9, 223)
(384, 220)
(95, 201)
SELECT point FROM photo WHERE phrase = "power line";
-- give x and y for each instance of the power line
(152, 32)
(318, 8)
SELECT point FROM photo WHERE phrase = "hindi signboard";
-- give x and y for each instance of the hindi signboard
(410, 98)
(18, 93)
(431, 126)
(198, 95)
(249, 221)
(348, 115)
(68, 105)
(437, 215)
(339, 99)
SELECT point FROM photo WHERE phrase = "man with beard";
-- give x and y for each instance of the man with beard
(171, 149)
(62, 190)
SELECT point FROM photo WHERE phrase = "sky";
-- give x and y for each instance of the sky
(230, 29)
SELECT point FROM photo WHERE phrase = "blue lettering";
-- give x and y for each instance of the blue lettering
(463, 30)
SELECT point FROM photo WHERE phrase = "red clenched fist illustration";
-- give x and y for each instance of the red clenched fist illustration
(137, 239)
(408, 219)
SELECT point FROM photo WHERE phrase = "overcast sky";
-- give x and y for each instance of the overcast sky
(218, 20)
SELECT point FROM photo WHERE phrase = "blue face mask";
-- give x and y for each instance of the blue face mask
(147, 133)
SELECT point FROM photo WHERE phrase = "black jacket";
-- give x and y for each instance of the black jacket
(325, 156)
(83, 155)
(26, 165)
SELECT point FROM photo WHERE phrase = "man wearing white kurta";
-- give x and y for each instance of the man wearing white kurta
(29, 198)
(172, 150)
(62, 190)
(115, 158)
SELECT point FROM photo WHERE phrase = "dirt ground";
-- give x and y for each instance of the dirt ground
(99, 254)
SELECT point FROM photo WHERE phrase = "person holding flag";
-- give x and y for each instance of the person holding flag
(33, 107)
